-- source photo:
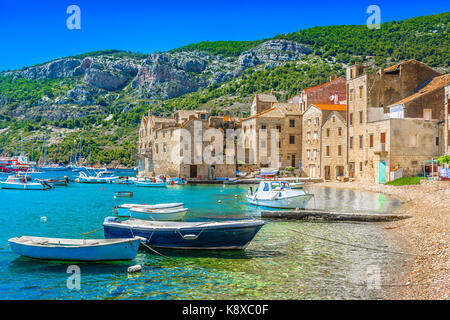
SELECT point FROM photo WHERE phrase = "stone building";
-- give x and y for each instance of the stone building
(312, 147)
(171, 146)
(260, 150)
(262, 102)
(331, 92)
(447, 120)
(334, 146)
(386, 128)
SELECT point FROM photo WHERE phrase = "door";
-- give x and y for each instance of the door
(327, 172)
(193, 171)
(311, 171)
(293, 162)
(382, 171)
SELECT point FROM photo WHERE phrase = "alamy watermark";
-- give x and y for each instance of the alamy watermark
(74, 20)
(374, 20)
(74, 280)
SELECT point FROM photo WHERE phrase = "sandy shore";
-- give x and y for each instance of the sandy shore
(425, 274)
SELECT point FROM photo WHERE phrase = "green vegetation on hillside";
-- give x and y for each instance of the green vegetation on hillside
(223, 48)
(422, 38)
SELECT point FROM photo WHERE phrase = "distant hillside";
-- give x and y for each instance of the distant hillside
(104, 93)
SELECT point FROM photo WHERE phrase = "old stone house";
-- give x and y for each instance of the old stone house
(447, 120)
(262, 102)
(387, 130)
(281, 122)
(312, 147)
(331, 92)
(334, 146)
(176, 146)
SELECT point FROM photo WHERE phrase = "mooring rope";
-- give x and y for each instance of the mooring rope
(83, 234)
(348, 244)
(158, 253)
(4, 247)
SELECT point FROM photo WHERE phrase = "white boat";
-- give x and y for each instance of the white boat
(100, 177)
(297, 184)
(124, 209)
(150, 184)
(76, 249)
(278, 194)
(23, 183)
(171, 214)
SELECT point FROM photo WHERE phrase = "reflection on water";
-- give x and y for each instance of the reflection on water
(279, 264)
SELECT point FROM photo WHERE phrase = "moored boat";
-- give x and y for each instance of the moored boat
(170, 214)
(76, 249)
(100, 177)
(229, 235)
(64, 181)
(123, 194)
(20, 182)
(150, 184)
(124, 209)
(278, 194)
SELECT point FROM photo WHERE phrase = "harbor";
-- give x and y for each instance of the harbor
(279, 263)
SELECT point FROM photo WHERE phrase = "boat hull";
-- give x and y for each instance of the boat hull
(124, 210)
(125, 250)
(151, 184)
(284, 203)
(160, 215)
(236, 236)
(27, 186)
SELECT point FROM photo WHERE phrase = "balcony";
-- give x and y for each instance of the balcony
(380, 149)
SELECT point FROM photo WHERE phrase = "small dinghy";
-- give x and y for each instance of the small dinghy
(76, 249)
(124, 209)
(123, 194)
(150, 184)
(55, 181)
(171, 214)
(229, 235)
(231, 181)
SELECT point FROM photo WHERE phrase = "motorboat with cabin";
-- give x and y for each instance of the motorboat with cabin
(278, 194)
(103, 176)
(22, 182)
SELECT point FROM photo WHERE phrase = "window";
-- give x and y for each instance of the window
(334, 119)
(371, 141)
(350, 118)
(328, 151)
(328, 132)
(292, 123)
(360, 142)
(414, 163)
(340, 131)
(437, 141)
(427, 114)
(315, 135)
(309, 122)
(360, 167)
(202, 116)
(351, 142)
(360, 117)
(164, 148)
(315, 154)
(339, 150)
(360, 92)
(266, 187)
(291, 139)
(413, 140)
(307, 154)
(263, 127)
(308, 136)
(316, 121)
(350, 98)
(279, 128)
(245, 129)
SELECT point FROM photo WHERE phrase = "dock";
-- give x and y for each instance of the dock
(311, 214)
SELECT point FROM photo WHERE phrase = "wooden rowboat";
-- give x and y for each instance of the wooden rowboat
(76, 249)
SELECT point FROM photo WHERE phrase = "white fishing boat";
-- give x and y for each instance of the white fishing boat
(124, 209)
(150, 184)
(278, 194)
(99, 177)
(171, 214)
(297, 184)
(23, 183)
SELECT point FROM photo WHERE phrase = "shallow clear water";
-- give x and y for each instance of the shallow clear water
(280, 263)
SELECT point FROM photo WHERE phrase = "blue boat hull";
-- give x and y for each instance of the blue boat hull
(119, 251)
(229, 238)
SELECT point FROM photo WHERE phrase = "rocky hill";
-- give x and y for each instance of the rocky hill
(106, 92)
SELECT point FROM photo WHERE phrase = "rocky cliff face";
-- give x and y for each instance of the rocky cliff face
(159, 76)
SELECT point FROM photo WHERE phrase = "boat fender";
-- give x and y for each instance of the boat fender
(43, 219)
(190, 236)
(135, 268)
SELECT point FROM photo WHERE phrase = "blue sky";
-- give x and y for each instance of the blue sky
(35, 31)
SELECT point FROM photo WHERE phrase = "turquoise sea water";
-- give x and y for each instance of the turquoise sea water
(279, 264)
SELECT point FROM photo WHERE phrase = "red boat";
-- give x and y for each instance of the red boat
(15, 164)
